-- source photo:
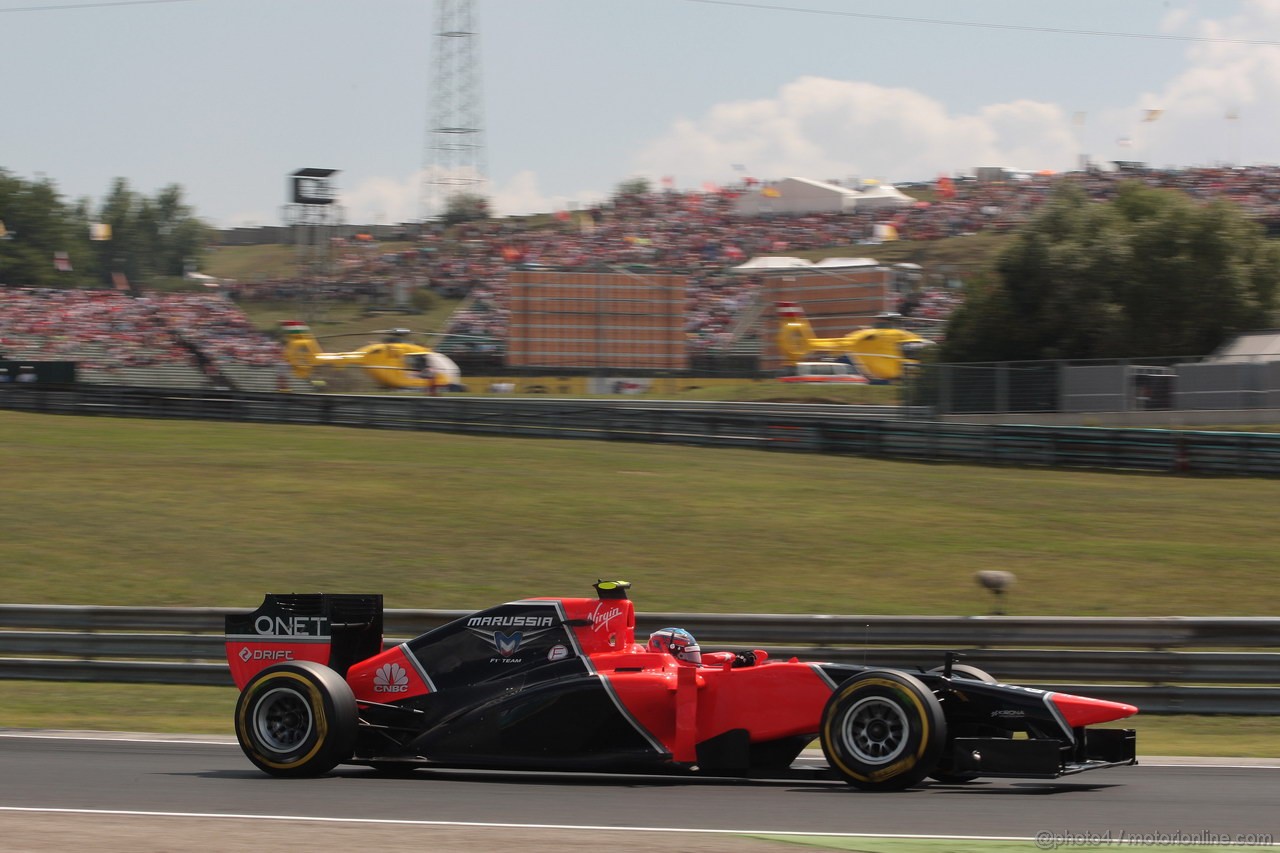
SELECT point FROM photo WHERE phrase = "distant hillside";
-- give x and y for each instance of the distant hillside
(252, 263)
(962, 256)
(965, 256)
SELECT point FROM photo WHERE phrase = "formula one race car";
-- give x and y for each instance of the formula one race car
(561, 684)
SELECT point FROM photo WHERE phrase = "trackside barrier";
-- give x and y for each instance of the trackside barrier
(879, 431)
(1171, 665)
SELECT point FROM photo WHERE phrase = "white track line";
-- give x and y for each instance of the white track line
(188, 740)
(487, 825)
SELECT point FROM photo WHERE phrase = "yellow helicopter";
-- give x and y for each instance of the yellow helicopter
(880, 352)
(393, 362)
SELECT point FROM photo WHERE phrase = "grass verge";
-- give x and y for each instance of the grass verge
(166, 513)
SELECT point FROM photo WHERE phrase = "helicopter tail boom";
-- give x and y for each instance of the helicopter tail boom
(301, 349)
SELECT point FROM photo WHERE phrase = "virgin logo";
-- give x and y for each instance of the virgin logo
(600, 621)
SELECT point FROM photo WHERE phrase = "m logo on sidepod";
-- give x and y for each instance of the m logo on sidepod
(506, 645)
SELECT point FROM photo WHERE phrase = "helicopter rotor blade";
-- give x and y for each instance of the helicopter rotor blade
(366, 333)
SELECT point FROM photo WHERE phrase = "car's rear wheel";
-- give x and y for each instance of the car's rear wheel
(883, 730)
(297, 719)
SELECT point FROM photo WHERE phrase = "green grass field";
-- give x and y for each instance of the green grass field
(119, 511)
(161, 513)
(347, 320)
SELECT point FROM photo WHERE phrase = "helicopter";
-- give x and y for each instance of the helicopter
(393, 362)
(880, 352)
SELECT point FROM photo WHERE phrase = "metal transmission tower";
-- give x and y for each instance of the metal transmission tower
(454, 161)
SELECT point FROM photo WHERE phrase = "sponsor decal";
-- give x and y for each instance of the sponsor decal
(601, 617)
(557, 652)
(507, 645)
(496, 631)
(247, 654)
(1008, 712)
(390, 678)
(291, 626)
(1035, 691)
(892, 770)
(509, 622)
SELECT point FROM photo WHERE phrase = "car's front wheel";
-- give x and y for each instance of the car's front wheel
(961, 670)
(297, 719)
(883, 730)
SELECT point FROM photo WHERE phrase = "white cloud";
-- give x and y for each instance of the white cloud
(1176, 19)
(384, 200)
(1222, 78)
(822, 128)
(521, 195)
(248, 219)
(826, 128)
(814, 127)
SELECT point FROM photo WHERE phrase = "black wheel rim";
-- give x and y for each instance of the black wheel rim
(282, 720)
(875, 730)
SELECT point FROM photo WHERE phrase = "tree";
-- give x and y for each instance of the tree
(149, 236)
(632, 187)
(465, 207)
(38, 226)
(175, 234)
(123, 252)
(1152, 273)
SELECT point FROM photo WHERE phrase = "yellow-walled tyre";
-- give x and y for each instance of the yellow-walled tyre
(883, 730)
(297, 719)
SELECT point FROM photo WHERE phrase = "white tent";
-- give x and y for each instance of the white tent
(764, 263)
(206, 280)
(797, 195)
(829, 263)
(883, 195)
(1249, 347)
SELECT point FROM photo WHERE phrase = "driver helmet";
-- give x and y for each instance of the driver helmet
(678, 642)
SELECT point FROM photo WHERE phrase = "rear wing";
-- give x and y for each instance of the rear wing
(336, 630)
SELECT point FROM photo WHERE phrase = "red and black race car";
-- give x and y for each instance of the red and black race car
(562, 684)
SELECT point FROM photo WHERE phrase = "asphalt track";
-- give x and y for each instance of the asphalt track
(114, 782)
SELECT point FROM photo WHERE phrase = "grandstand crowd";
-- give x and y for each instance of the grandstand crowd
(693, 233)
(698, 233)
(107, 329)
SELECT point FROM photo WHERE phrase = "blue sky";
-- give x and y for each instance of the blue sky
(227, 97)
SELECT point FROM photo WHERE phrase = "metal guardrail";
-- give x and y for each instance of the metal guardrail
(1056, 665)
(1157, 632)
(878, 431)
(1201, 665)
